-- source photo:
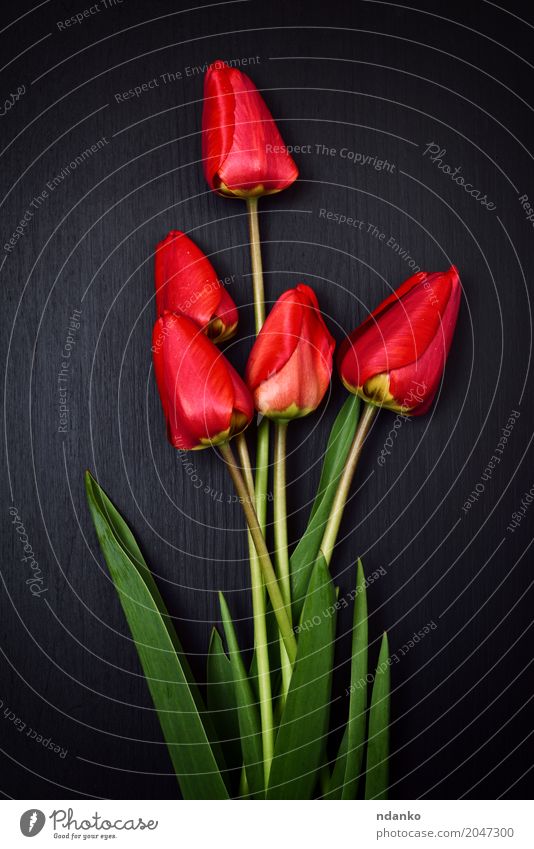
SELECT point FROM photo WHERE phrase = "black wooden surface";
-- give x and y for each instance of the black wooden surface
(379, 79)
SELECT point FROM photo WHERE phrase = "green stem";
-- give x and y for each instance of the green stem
(343, 487)
(280, 509)
(262, 467)
(261, 646)
(280, 538)
(262, 472)
(262, 447)
(268, 572)
(260, 489)
(246, 465)
(257, 268)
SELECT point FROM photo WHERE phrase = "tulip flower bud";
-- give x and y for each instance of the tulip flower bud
(290, 365)
(242, 151)
(396, 358)
(186, 283)
(204, 400)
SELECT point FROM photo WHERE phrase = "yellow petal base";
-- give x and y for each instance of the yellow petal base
(256, 192)
(376, 391)
(291, 412)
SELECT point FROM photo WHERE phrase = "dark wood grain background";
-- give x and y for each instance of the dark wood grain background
(366, 79)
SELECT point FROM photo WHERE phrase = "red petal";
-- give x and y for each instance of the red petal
(227, 310)
(217, 119)
(313, 326)
(158, 336)
(391, 299)
(186, 281)
(178, 432)
(301, 383)
(419, 381)
(277, 339)
(242, 146)
(291, 362)
(196, 388)
(401, 330)
(243, 402)
(402, 290)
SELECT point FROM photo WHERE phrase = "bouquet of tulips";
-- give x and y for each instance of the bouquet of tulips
(261, 729)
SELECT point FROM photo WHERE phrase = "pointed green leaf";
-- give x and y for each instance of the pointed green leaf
(377, 770)
(301, 739)
(335, 784)
(303, 558)
(168, 676)
(247, 709)
(344, 780)
(222, 703)
(358, 690)
(339, 442)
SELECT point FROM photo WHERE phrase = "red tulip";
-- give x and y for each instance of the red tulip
(186, 283)
(243, 152)
(290, 365)
(204, 400)
(396, 358)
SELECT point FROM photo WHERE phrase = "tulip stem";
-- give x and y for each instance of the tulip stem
(257, 267)
(260, 489)
(280, 538)
(262, 471)
(280, 509)
(269, 575)
(246, 465)
(262, 445)
(261, 646)
(343, 487)
(261, 481)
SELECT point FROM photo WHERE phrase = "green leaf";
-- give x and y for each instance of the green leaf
(273, 647)
(377, 771)
(335, 784)
(247, 709)
(303, 558)
(222, 703)
(358, 690)
(175, 696)
(301, 739)
(344, 780)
